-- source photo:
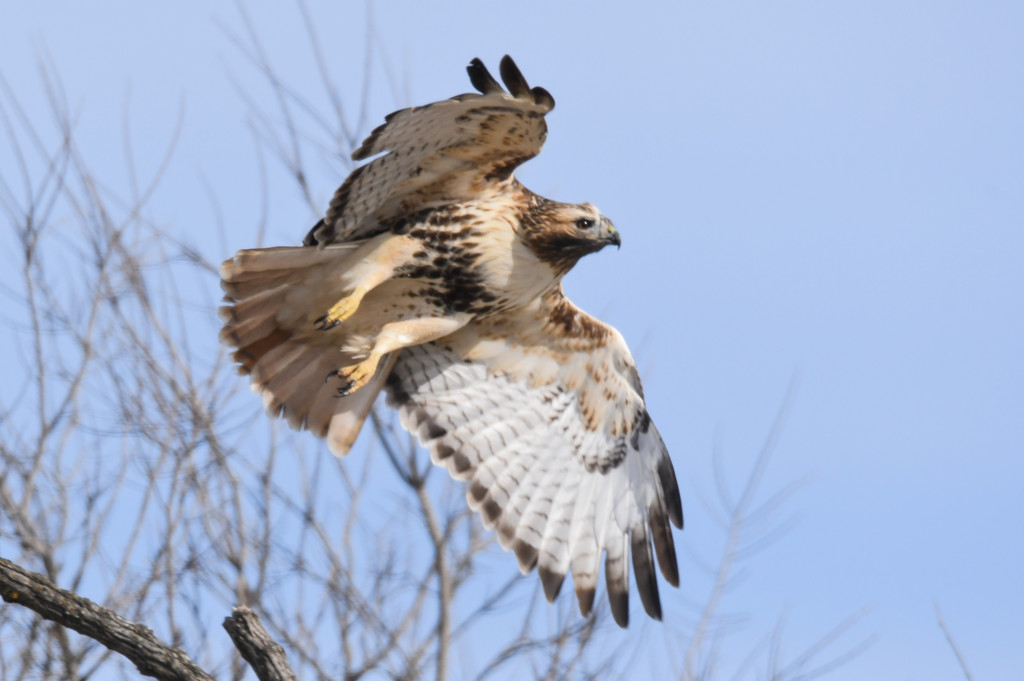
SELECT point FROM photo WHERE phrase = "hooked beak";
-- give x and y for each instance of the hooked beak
(611, 235)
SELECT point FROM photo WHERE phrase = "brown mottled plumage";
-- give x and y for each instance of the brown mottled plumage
(437, 276)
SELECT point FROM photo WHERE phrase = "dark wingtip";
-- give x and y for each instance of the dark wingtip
(670, 488)
(552, 582)
(543, 98)
(616, 579)
(485, 83)
(585, 598)
(619, 602)
(311, 236)
(526, 554)
(514, 80)
(481, 78)
(664, 546)
(646, 580)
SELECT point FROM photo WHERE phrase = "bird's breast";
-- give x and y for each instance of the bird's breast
(477, 264)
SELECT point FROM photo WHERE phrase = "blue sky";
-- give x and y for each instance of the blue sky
(824, 194)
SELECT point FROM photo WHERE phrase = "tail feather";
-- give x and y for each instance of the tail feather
(280, 360)
(294, 391)
(272, 295)
(251, 354)
(346, 423)
(261, 304)
(280, 368)
(322, 401)
(252, 263)
(242, 289)
(241, 333)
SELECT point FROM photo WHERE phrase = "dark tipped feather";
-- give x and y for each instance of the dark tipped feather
(543, 98)
(311, 238)
(506, 532)
(670, 490)
(481, 78)
(365, 149)
(477, 491)
(585, 598)
(398, 395)
(664, 546)
(514, 80)
(526, 554)
(491, 511)
(552, 582)
(429, 430)
(462, 463)
(643, 567)
(616, 577)
(619, 602)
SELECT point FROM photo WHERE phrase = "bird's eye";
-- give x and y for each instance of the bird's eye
(584, 223)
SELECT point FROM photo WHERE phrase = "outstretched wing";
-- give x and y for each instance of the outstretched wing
(447, 151)
(542, 413)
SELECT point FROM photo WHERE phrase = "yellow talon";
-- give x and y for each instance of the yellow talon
(355, 377)
(341, 310)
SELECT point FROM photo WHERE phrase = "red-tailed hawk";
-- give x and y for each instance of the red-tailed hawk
(436, 276)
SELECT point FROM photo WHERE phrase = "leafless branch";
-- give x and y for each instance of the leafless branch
(264, 655)
(135, 641)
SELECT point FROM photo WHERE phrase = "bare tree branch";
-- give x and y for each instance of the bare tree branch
(264, 655)
(135, 641)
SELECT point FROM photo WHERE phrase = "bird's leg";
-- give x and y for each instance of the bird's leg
(395, 336)
(377, 261)
(344, 308)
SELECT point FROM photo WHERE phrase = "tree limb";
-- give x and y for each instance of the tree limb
(134, 641)
(264, 655)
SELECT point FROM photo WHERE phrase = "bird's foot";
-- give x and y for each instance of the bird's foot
(355, 377)
(341, 310)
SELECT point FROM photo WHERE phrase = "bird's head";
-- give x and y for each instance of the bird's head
(562, 233)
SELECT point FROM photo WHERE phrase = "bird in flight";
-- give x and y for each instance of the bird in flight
(435, 276)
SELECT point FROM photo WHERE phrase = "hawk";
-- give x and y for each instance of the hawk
(435, 276)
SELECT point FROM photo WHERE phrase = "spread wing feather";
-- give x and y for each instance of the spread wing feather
(559, 488)
(439, 153)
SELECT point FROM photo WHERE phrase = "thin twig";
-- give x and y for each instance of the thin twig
(952, 643)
